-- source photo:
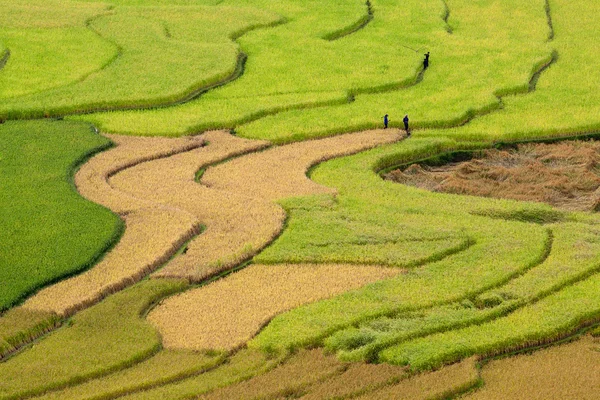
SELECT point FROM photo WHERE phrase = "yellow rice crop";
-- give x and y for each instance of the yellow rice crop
(440, 384)
(301, 370)
(154, 231)
(151, 236)
(281, 172)
(358, 378)
(570, 371)
(228, 312)
(236, 226)
(234, 201)
(92, 178)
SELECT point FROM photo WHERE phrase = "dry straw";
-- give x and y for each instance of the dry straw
(562, 174)
(229, 312)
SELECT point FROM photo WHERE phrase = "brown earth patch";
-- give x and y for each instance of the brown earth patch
(299, 371)
(229, 312)
(569, 371)
(359, 378)
(565, 175)
(310, 374)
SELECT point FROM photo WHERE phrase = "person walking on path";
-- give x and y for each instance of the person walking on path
(385, 121)
(405, 120)
(426, 61)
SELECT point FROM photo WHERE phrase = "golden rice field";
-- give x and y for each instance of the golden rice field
(199, 199)
(561, 372)
(240, 304)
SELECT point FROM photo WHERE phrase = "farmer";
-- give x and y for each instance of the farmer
(426, 61)
(385, 121)
(405, 120)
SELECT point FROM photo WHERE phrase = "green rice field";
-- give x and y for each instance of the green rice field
(107, 170)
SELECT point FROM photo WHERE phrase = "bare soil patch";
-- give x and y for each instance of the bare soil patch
(229, 312)
(565, 175)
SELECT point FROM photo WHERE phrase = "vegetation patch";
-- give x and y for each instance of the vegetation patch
(165, 367)
(107, 337)
(48, 232)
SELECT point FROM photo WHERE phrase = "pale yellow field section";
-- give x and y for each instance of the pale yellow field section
(150, 183)
(153, 230)
(229, 312)
(237, 198)
(569, 371)
(280, 172)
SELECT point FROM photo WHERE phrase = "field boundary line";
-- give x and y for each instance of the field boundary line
(361, 23)
(446, 17)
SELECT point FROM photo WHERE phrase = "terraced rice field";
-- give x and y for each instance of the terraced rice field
(198, 199)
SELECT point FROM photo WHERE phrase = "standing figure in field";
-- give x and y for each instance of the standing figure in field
(426, 61)
(405, 120)
(385, 121)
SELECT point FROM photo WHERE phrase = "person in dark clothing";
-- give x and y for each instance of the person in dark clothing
(426, 61)
(405, 120)
(385, 121)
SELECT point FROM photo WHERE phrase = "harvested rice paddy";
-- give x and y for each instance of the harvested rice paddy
(198, 199)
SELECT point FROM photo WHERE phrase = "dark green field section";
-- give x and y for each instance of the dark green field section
(47, 231)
